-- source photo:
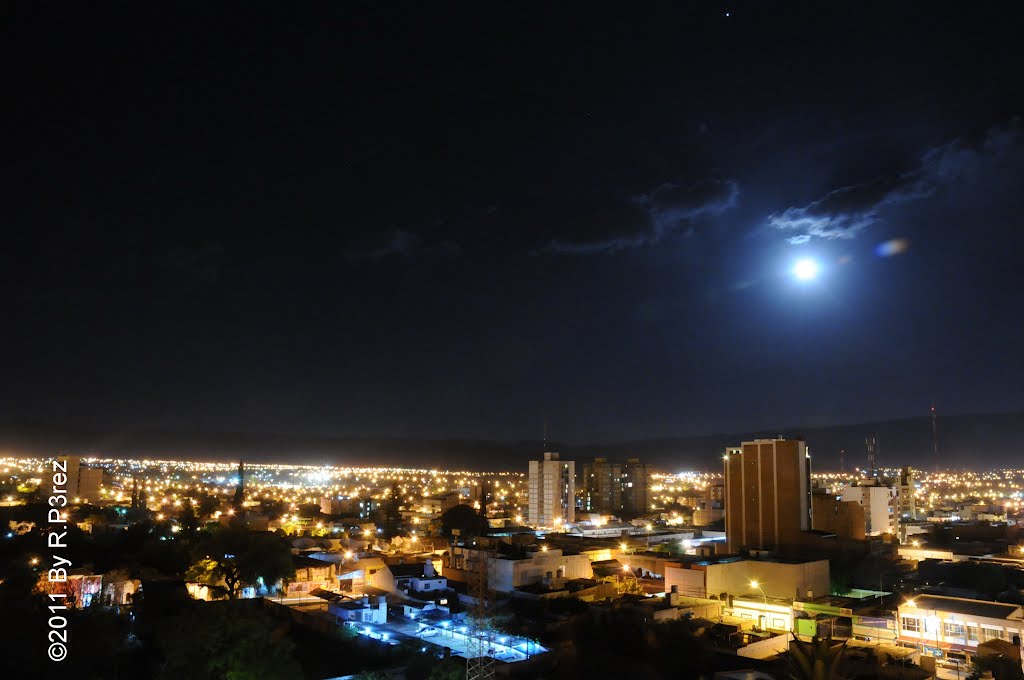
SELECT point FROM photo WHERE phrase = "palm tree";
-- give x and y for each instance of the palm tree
(815, 660)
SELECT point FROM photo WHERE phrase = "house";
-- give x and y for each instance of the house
(310, 574)
(367, 572)
(80, 588)
(359, 610)
(417, 578)
(506, 572)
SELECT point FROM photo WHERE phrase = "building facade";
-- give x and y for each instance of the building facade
(787, 580)
(767, 493)
(613, 488)
(837, 515)
(879, 503)
(552, 492)
(955, 626)
(83, 481)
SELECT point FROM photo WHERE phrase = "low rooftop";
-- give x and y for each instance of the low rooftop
(959, 605)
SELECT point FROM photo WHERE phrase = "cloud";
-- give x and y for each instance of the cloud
(667, 210)
(405, 244)
(845, 212)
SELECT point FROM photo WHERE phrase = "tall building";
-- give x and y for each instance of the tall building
(878, 501)
(83, 481)
(615, 488)
(837, 515)
(906, 504)
(552, 491)
(767, 493)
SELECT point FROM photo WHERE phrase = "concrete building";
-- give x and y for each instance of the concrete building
(348, 507)
(505, 573)
(615, 488)
(310, 574)
(837, 515)
(954, 627)
(417, 578)
(360, 610)
(708, 512)
(767, 493)
(552, 492)
(83, 481)
(879, 503)
(906, 501)
(781, 579)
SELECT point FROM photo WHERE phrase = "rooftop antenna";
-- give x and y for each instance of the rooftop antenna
(544, 435)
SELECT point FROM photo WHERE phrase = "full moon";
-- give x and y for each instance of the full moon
(805, 269)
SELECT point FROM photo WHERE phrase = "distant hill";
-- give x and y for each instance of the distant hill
(965, 441)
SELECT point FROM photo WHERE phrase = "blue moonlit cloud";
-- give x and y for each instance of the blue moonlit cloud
(668, 210)
(845, 212)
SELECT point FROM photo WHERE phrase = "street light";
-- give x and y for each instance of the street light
(755, 584)
(629, 571)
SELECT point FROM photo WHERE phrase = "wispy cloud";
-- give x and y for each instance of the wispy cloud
(845, 212)
(405, 244)
(646, 219)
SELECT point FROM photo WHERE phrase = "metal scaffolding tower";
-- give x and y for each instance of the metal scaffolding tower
(480, 640)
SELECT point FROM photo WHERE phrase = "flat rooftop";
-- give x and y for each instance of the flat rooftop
(957, 605)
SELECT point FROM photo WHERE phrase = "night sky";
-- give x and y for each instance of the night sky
(430, 220)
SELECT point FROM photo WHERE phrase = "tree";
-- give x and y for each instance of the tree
(187, 518)
(233, 557)
(1002, 668)
(462, 518)
(217, 641)
(814, 660)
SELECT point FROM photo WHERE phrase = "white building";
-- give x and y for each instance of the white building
(944, 626)
(505, 574)
(360, 610)
(879, 503)
(788, 580)
(552, 492)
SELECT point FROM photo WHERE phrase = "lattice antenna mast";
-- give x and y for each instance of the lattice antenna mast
(935, 439)
(480, 640)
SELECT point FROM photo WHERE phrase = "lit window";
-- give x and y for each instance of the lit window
(953, 630)
(911, 624)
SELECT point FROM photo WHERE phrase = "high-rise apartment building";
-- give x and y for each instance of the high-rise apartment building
(906, 504)
(552, 492)
(615, 488)
(83, 481)
(767, 493)
(878, 501)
